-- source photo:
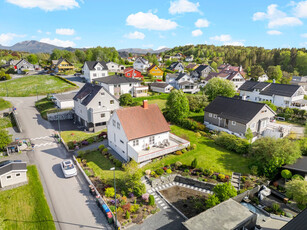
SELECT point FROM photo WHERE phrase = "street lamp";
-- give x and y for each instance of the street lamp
(113, 169)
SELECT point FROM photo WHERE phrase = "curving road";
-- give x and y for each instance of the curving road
(69, 200)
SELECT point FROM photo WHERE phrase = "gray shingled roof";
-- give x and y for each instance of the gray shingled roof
(201, 68)
(65, 97)
(235, 109)
(159, 84)
(91, 64)
(297, 223)
(181, 75)
(87, 93)
(115, 79)
(10, 166)
(270, 88)
(300, 165)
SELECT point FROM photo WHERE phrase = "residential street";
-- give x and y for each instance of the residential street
(70, 203)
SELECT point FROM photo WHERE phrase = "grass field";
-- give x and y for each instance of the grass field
(208, 154)
(33, 85)
(160, 102)
(7, 121)
(74, 135)
(101, 166)
(4, 104)
(26, 207)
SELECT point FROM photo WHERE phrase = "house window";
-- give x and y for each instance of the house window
(118, 125)
(111, 102)
(8, 177)
(98, 68)
(215, 116)
(114, 123)
(128, 74)
(130, 84)
(121, 141)
(102, 93)
(151, 140)
(17, 174)
(99, 103)
(94, 75)
(102, 115)
(233, 123)
(210, 114)
(135, 142)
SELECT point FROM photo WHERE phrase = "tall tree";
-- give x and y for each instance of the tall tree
(256, 72)
(219, 87)
(274, 73)
(177, 105)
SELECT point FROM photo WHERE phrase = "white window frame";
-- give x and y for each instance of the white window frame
(233, 123)
(215, 116)
(114, 123)
(9, 177)
(135, 142)
(210, 114)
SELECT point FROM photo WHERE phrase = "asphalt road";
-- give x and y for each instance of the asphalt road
(70, 203)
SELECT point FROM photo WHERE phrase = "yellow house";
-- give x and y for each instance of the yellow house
(61, 65)
(155, 71)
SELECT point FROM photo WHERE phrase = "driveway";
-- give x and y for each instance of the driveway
(69, 200)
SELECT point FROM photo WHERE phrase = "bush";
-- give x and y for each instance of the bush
(178, 152)
(297, 176)
(275, 207)
(153, 173)
(151, 200)
(101, 147)
(183, 150)
(127, 215)
(194, 163)
(178, 164)
(126, 207)
(169, 171)
(232, 143)
(125, 99)
(224, 191)
(286, 174)
(91, 140)
(254, 170)
(159, 172)
(71, 145)
(110, 192)
(212, 201)
(135, 208)
(221, 177)
(214, 177)
(145, 197)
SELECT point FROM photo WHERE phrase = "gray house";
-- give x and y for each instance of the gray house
(12, 173)
(201, 71)
(182, 81)
(94, 106)
(235, 116)
(21, 65)
(176, 66)
(302, 81)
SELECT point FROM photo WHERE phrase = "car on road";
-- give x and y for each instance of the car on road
(68, 168)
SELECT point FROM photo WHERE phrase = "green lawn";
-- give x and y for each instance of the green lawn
(26, 207)
(101, 167)
(208, 154)
(160, 102)
(4, 104)
(33, 85)
(7, 121)
(74, 135)
(199, 117)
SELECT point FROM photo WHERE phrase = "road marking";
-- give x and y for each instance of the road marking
(150, 191)
(165, 207)
(162, 205)
(38, 138)
(45, 144)
(158, 198)
(159, 202)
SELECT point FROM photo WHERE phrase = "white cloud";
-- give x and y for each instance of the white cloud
(276, 17)
(301, 9)
(196, 33)
(234, 43)
(221, 38)
(48, 33)
(39, 31)
(274, 32)
(304, 35)
(183, 6)
(150, 21)
(58, 42)
(135, 35)
(63, 31)
(5, 39)
(161, 47)
(77, 38)
(47, 5)
(200, 23)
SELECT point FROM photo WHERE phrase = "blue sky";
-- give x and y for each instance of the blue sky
(154, 24)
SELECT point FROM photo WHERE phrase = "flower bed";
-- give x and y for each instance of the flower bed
(77, 143)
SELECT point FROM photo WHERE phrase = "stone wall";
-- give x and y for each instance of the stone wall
(64, 115)
(247, 193)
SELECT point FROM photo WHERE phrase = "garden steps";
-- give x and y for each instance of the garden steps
(235, 180)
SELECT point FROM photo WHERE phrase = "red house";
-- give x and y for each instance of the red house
(133, 73)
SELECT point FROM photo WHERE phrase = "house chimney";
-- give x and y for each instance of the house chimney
(145, 104)
(240, 68)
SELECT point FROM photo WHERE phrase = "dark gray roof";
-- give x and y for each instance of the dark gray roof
(297, 223)
(115, 79)
(201, 68)
(300, 165)
(270, 88)
(181, 75)
(171, 75)
(12, 165)
(173, 65)
(87, 93)
(65, 97)
(159, 84)
(235, 109)
(91, 64)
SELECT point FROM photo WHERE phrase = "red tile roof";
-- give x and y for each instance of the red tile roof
(138, 122)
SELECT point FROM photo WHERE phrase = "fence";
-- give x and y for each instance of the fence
(64, 115)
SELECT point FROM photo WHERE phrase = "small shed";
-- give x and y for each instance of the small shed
(65, 101)
(12, 173)
(299, 167)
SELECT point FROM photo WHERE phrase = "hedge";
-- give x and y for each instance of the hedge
(67, 81)
(232, 143)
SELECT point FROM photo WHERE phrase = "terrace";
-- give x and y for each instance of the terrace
(174, 144)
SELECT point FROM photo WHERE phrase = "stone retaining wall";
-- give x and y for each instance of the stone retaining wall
(64, 115)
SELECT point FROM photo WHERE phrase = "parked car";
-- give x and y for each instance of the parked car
(68, 168)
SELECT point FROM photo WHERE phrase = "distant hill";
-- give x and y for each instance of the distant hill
(34, 47)
(142, 51)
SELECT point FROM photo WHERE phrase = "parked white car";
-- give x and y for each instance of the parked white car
(68, 168)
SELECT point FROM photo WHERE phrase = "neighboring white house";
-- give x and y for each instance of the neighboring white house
(234, 76)
(114, 67)
(280, 95)
(94, 106)
(176, 66)
(118, 85)
(141, 64)
(189, 58)
(141, 133)
(161, 87)
(12, 173)
(182, 81)
(263, 78)
(94, 69)
(64, 101)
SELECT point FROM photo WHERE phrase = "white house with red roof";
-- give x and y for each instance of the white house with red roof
(141, 133)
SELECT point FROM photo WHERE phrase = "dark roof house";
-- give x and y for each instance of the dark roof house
(91, 64)
(116, 79)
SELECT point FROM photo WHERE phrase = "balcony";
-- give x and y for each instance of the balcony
(175, 144)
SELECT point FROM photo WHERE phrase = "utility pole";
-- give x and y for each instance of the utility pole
(59, 126)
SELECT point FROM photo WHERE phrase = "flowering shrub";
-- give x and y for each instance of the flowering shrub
(84, 142)
(124, 198)
(145, 197)
(168, 171)
(178, 153)
(109, 192)
(131, 195)
(221, 177)
(127, 207)
(159, 171)
(135, 208)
